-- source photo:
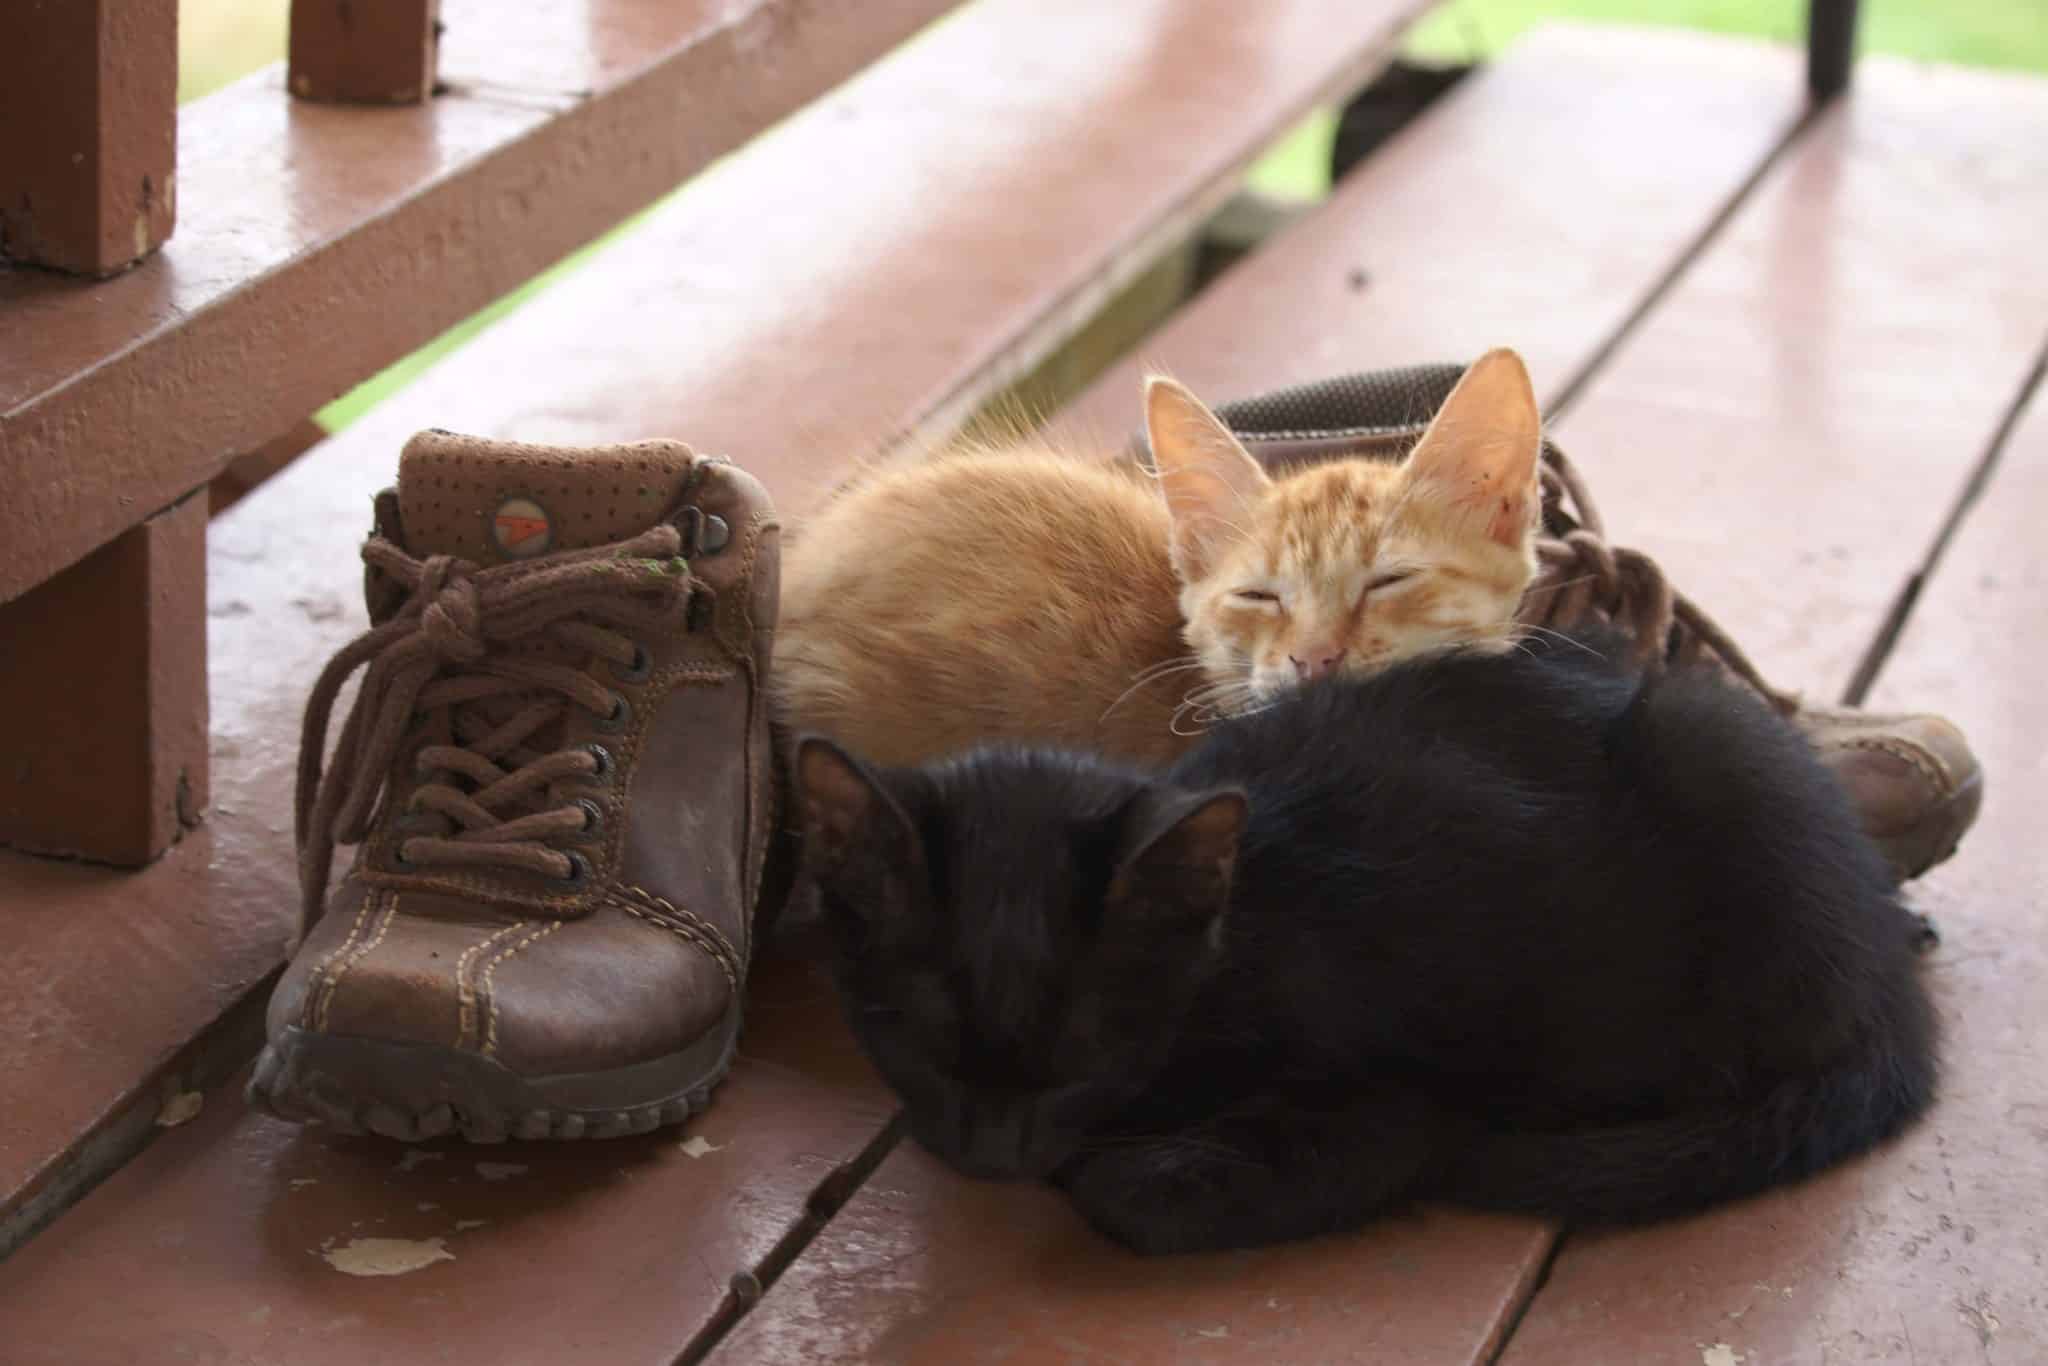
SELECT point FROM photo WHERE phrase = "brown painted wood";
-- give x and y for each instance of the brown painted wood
(1786, 431)
(320, 243)
(245, 472)
(928, 1268)
(1819, 388)
(811, 299)
(363, 51)
(88, 133)
(1457, 235)
(221, 1243)
(103, 705)
(728, 320)
(1934, 1251)
(1657, 128)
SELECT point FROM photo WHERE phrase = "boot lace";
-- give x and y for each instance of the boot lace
(1582, 577)
(475, 662)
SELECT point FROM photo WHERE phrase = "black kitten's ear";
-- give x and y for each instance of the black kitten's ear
(857, 841)
(1180, 855)
(836, 799)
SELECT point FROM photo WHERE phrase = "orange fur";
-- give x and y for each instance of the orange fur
(1026, 593)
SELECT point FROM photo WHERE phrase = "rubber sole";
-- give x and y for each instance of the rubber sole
(412, 1091)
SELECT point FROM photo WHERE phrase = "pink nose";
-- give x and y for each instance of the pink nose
(1318, 663)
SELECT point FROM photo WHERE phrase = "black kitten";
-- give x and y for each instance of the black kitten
(1524, 932)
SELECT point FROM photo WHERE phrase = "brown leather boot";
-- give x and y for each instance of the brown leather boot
(557, 771)
(1912, 777)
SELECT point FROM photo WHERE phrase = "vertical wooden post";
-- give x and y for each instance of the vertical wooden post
(364, 51)
(88, 131)
(103, 697)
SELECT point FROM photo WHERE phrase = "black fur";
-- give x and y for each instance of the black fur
(1528, 932)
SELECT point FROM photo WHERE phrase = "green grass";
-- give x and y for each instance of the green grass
(1999, 33)
(222, 40)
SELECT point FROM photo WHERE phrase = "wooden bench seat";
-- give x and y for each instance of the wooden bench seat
(865, 271)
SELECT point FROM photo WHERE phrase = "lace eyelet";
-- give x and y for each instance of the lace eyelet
(638, 670)
(620, 714)
(593, 818)
(579, 871)
(606, 765)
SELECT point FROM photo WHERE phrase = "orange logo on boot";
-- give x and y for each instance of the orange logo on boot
(520, 528)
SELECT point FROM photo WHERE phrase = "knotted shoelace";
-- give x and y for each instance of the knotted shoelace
(1581, 576)
(479, 658)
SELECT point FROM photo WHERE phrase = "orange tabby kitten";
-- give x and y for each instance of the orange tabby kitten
(1032, 594)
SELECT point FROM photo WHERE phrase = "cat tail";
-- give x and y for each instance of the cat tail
(1653, 1170)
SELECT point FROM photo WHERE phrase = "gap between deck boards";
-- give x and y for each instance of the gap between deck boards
(1893, 625)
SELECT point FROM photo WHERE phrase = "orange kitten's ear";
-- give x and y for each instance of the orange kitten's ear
(1482, 449)
(1209, 478)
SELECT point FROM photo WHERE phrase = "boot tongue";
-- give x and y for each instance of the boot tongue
(499, 502)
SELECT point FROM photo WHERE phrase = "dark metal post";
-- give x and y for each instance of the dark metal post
(1830, 47)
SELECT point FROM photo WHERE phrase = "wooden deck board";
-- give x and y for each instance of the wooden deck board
(1820, 387)
(227, 1241)
(923, 1266)
(1935, 1252)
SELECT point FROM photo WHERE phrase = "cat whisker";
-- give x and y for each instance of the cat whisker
(1560, 637)
(1150, 675)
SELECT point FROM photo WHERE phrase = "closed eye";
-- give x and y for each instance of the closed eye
(1260, 596)
(1390, 578)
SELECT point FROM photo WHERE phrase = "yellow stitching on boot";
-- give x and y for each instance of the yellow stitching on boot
(688, 938)
(317, 985)
(490, 1001)
(465, 989)
(693, 929)
(389, 914)
(691, 917)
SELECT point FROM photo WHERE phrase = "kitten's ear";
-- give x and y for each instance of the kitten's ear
(1482, 449)
(856, 839)
(1179, 857)
(1208, 476)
